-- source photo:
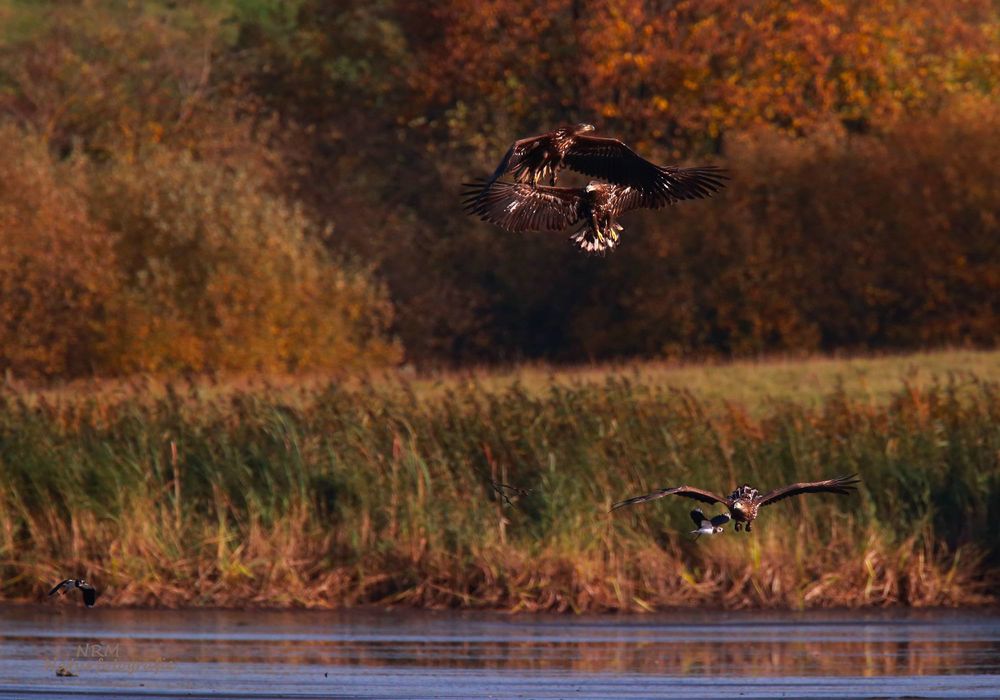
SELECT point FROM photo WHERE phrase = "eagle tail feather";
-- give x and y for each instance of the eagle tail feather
(592, 241)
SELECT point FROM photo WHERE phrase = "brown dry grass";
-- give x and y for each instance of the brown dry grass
(380, 494)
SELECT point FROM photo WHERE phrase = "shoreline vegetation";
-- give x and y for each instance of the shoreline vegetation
(327, 494)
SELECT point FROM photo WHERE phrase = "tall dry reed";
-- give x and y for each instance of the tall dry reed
(380, 495)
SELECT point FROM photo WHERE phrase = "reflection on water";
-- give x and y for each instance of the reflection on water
(393, 654)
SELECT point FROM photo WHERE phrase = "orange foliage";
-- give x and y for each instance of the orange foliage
(203, 153)
(834, 242)
(221, 274)
(57, 267)
(110, 81)
(169, 264)
(696, 69)
(140, 218)
(719, 65)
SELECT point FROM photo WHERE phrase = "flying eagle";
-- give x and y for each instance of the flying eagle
(744, 502)
(538, 157)
(524, 207)
(89, 592)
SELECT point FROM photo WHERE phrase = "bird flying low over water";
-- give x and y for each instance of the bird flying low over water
(744, 502)
(89, 592)
(521, 207)
(543, 156)
(706, 526)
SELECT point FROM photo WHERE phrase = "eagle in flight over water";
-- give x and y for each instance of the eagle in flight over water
(631, 182)
(744, 502)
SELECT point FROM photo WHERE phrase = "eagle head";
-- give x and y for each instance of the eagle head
(592, 186)
(584, 127)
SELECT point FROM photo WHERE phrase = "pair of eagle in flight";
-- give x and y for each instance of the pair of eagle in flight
(632, 182)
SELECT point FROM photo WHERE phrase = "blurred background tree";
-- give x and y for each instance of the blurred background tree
(269, 185)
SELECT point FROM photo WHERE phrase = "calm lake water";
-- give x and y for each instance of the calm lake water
(393, 654)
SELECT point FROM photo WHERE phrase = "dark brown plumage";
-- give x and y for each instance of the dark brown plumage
(524, 207)
(744, 502)
(543, 156)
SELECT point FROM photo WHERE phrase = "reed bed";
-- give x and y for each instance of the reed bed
(380, 494)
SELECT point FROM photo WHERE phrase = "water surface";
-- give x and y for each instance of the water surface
(391, 654)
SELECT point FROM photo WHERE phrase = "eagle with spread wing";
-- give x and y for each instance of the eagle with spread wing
(543, 156)
(744, 502)
(524, 207)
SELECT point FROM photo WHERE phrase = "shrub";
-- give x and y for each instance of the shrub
(220, 274)
(58, 271)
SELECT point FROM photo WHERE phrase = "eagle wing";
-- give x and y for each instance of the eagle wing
(521, 207)
(693, 183)
(687, 491)
(613, 161)
(513, 159)
(623, 199)
(842, 484)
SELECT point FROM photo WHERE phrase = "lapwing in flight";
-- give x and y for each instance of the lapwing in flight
(89, 592)
(706, 526)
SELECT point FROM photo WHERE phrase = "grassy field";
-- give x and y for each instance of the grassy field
(323, 493)
(751, 384)
(754, 384)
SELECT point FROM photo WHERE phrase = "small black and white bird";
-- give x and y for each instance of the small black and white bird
(706, 526)
(89, 592)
